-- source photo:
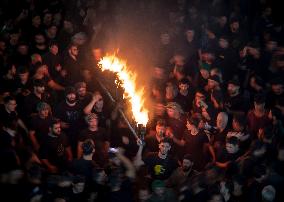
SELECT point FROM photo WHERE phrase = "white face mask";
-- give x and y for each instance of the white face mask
(232, 149)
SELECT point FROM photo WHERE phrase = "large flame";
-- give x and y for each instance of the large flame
(127, 82)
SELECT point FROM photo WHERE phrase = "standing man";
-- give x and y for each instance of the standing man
(55, 152)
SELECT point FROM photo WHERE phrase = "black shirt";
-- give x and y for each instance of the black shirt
(40, 126)
(160, 168)
(54, 149)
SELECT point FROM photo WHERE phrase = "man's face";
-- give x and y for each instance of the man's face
(71, 98)
(56, 129)
(23, 49)
(259, 106)
(39, 39)
(54, 49)
(223, 43)
(171, 112)
(221, 121)
(189, 35)
(47, 19)
(277, 89)
(74, 51)
(40, 89)
(160, 130)
(11, 105)
(93, 122)
(164, 147)
(44, 113)
(143, 195)
(36, 20)
(234, 26)
(232, 89)
(52, 31)
(236, 125)
(82, 91)
(24, 76)
(186, 164)
(183, 87)
(212, 84)
(199, 97)
(204, 73)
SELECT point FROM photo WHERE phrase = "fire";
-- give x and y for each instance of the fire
(127, 82)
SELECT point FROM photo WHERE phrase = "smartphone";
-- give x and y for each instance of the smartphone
(113, 150)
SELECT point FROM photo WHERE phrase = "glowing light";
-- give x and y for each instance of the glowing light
(127, 81)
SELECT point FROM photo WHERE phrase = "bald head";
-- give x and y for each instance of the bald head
(222, 120)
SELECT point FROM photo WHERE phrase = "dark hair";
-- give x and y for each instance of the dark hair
(54, 121)
(259, 98)
(161, 122)
(22, 70)
(259, 170)
(232, 140)
(240, 119)
(88, 147)
(8, 99)
(166, 140)
(38, 82)
(188, 157)
(184, 81)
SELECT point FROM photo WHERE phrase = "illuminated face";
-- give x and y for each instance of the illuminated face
(36, 21)
(39, 89)
(183, 87)
(44, 113)
(54, 49)
(234, 26)
(199, 97)
(74, 51)
(221, 121)
(24, 76)
(171, 112)
(144, 195)
(212, 84)
(11, 105)
(190, 35)
(204, 73)
(164, 147)
(71, 97)
(82, 92)
(223, 43)
(186, 164)
(93, 123)
(232, 89)
(39, 39)
(160, 130)
(277, 89)
(56, 129)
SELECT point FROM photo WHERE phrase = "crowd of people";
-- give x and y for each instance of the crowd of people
(215, 130)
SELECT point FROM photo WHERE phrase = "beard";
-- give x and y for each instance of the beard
(187, 168)
(71, 101)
